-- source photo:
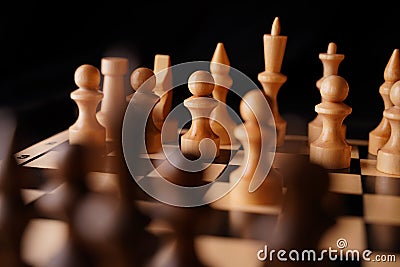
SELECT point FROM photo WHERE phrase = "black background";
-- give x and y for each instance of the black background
(43, 44)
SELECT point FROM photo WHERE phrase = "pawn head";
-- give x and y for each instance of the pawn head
(395, 94)
(254, 107)
(201, 83)
(143, 77)
(87, 76)
(334, 88)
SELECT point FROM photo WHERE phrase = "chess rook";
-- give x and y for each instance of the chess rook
(87, 130)
(330, 62)
(380, 135)
(222, 123)
(271, 79)
(200, 140)
(388, 157)
(113, 104)
(330, 149)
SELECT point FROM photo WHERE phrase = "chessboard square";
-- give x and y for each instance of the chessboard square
(228, 252)
(351, 204)
(381, 185)
(231, 146)
(49, 160)
(364, 154)
(224, 177)
(281, 159)
(211, 171)
(143, 167)
(368, 167)
(103, 182)
(355, 166)
(157, 155)
(299, 138)
(354, 152)
(35, 178)
(383, 238)
(238, 158)
(345, 183)
(167, 150)
(383, 209)
(170, 193)
(225, 156)
(30, 195)
(249, 225)
(350, 228)
(294, 146)
(226, 204)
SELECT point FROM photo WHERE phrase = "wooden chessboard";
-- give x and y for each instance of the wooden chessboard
(370, 220)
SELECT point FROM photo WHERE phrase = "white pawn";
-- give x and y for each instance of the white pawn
(143, 81)
(388, 157)
(200, 140)
(256, 135)
(330, 61)
(87, 130)
(330, 149)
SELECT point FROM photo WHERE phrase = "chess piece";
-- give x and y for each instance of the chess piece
(73, 169)
(113, 104)
(185, 224)
(330, 149)
(14, 215)
(308, 211)
(163, 89)
(143, 82)
(271, 79)
(120, 239)
(129, 96)
(330, 61)
(87, 130)
(254, 134)
(388, 157)
(221, 122)
(200, 140)
(181, 171)
(124, 224)
(379, 136)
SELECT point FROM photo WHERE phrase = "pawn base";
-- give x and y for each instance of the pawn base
(315, 129)
(376, 141)
(87, 137)
(388, 162)
(191, 148)
(335, 157)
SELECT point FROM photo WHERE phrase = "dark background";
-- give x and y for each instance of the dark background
(43, 44)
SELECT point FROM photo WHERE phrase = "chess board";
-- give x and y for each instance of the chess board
(233, 234)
